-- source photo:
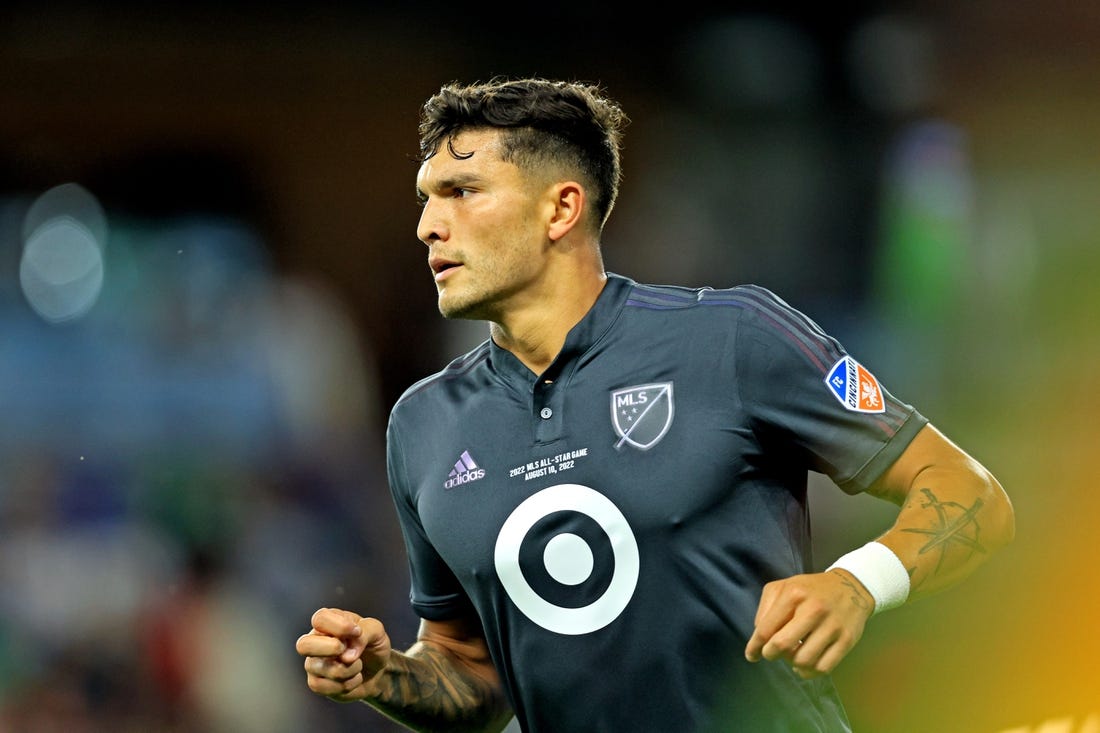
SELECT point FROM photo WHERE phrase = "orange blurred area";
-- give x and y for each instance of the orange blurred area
(1014, 648)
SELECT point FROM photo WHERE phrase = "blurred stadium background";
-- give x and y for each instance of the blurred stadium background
(211, 293)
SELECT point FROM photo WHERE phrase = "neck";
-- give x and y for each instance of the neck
(536, 332)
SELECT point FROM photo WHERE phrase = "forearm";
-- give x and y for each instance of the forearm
(429, 689)
(951, 519)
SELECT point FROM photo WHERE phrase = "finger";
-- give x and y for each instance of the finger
(319, 645)
(333, 670)
(335, 622)
(811, 669)
(752, 649)
(782, 645)
(371, 640)
(805, 658)
(807, 673)
(782, 641)
(823, 651)
(324, 686)
(768, 597)
(788, 640)
(335, 688)
(825, 647)
(771, 614)
(809, 648)
(826, 660)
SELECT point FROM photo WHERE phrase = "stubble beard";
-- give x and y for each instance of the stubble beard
(473, 306)
(485, 290)
(483, 301)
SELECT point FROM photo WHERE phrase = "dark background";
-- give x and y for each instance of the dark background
(191, 462)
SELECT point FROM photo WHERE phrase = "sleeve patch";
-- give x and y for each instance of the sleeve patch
(855, 387)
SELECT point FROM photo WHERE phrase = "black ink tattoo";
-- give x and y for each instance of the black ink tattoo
(429, 692)
(857, 597)
(956, 525)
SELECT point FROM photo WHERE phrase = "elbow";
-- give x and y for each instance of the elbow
(1009, 532)
(1002, 528)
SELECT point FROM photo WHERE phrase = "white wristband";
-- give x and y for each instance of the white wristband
(881, 572)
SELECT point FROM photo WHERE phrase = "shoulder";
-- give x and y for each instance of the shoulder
(435, 386)
(750, 311)
(759, 303)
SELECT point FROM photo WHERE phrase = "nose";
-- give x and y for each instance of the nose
(430, 228)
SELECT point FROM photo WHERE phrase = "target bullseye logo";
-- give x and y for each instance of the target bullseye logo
(568, 559)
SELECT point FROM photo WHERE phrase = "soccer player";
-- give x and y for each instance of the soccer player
(605, 503)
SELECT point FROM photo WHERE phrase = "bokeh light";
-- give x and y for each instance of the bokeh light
(62, 267)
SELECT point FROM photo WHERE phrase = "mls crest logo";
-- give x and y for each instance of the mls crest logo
(641, 415)
(855, 387)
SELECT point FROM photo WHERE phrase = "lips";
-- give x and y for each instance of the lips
(441, 266)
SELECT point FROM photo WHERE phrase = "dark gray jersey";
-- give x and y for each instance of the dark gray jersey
(614, 520)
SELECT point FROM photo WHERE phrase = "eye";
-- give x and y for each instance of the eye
(459, 192)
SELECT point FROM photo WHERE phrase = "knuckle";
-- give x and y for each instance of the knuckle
(798, 593)
(815, 608)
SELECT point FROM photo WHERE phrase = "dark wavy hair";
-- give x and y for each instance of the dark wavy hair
(572, 125)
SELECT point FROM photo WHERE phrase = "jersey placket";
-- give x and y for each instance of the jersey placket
(548, 407)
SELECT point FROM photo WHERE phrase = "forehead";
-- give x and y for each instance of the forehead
(480, 150)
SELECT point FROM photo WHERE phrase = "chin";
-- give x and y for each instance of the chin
(468, 309)
(450, 308)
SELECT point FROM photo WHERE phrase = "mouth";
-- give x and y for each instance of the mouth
(442, 267)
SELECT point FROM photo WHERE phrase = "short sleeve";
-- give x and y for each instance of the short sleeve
(435, 593)
(805, 391)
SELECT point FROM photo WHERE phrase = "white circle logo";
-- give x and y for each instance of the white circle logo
(568, 559)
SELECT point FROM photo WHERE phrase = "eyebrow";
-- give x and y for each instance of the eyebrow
(458, 180)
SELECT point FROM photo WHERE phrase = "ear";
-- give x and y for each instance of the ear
(569, 202)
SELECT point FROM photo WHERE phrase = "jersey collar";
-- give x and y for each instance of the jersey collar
(580, 339)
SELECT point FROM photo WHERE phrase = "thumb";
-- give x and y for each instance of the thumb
(371, 641)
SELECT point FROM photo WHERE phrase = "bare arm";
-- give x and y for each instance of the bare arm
(446, 680)
(953, 515)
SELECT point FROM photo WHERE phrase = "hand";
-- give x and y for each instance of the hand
(344, 653)
(811, 620)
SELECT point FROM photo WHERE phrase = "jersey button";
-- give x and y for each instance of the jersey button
(546, 413)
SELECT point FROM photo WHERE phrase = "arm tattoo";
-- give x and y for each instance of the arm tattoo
(428, 691)
(954, 526)
(857, 597)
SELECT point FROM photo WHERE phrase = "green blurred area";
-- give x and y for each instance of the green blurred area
(1014, 646)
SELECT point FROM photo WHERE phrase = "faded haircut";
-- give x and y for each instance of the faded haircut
(571, 126)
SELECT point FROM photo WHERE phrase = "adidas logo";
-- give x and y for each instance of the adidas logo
(465, 471)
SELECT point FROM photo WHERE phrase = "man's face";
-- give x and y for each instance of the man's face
(485, 226)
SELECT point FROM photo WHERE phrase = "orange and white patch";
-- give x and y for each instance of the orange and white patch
(855, 387)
